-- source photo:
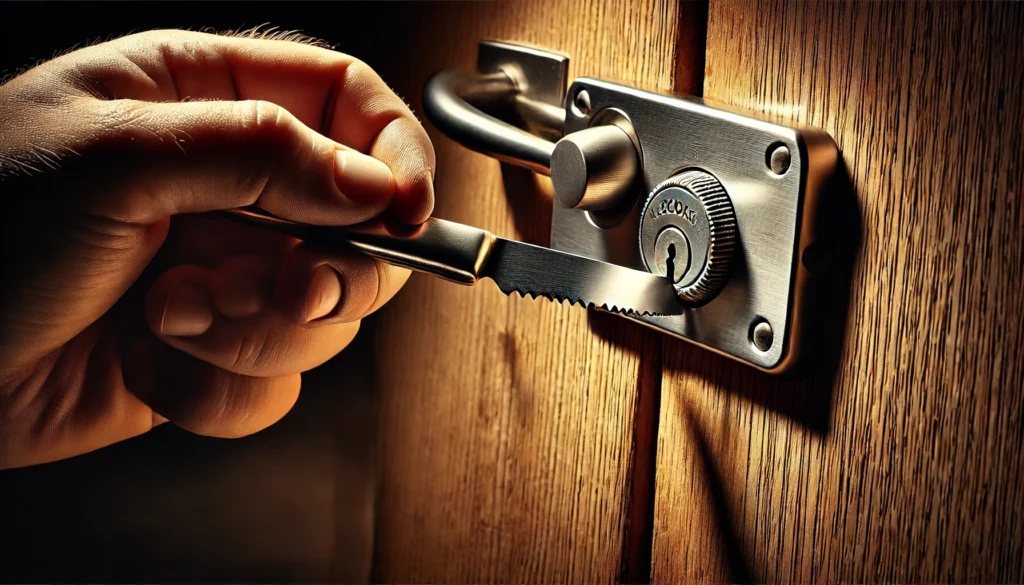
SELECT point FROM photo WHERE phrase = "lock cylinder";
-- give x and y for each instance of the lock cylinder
(688, 233)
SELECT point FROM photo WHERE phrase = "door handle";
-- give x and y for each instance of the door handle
(591, 169)
(448, 101)
(729, 206)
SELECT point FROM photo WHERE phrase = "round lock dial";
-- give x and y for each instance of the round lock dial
(688, 233)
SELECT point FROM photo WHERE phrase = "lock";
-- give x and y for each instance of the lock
(727, 206)
(688, 233)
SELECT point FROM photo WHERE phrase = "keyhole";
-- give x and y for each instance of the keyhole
(670, 263)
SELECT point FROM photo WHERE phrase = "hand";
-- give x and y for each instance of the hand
(117, 313)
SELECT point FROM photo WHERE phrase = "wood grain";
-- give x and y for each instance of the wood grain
(508, 425)
(903, 463)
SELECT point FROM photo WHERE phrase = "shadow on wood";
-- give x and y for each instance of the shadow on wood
(804, 396)
(731, 544)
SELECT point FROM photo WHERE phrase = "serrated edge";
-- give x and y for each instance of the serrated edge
(580, 302)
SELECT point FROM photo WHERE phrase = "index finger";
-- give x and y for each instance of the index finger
(333, 93)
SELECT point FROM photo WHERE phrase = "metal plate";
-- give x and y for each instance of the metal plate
(774, 213)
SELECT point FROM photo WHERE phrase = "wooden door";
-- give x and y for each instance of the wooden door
(512, 429)
(902, 462)
(529, 442)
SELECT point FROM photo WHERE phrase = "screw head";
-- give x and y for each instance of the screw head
(779, 158)
(762, 335)
(672, 254)
(581, 104)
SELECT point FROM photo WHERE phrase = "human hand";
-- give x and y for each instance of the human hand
(117, 313)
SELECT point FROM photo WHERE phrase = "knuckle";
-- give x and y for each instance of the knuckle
(269, 133)
(121, 115)
(358, 73)
(141, 42)
(266, 118)
(366, 279)
(152, 38)
(371, 97)
(249, 352)
(232, 418)
(270, 128)
(383, 283)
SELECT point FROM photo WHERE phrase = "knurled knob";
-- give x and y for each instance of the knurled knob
(688, 232)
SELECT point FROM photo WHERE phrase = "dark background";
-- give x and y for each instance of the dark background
(293, 503)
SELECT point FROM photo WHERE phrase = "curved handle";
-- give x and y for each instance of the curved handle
(592, 169)
(446, 102)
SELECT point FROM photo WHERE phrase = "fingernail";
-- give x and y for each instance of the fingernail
(362, 178)
(324, 293)
(188, 311)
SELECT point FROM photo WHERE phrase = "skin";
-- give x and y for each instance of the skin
(121, 308)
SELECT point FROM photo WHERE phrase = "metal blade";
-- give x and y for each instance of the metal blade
(541, 272)
(462, 254)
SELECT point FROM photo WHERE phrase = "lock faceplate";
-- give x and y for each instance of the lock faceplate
(774, 212)
(772, 175)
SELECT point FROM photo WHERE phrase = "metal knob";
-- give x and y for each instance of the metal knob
(595, 168)
(688, 233)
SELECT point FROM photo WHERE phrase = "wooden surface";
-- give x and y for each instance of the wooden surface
(905, 463)
(509, 426)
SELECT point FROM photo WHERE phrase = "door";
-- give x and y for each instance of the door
(523, 441)
(902, 461)
(513, 429)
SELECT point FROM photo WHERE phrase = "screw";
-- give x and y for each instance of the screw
(672, 254)
(581, 104)
(762, 335)
(779, 158)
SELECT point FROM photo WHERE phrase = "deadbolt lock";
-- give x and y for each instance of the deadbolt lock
(723, 204)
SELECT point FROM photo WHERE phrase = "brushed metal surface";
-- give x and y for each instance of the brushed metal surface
(535, 271)
(775, 198)
(541, 77)
(452, 251)
(766, 283)
(594, 169)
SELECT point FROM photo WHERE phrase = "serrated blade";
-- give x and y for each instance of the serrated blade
(463, 254)
(542, 272)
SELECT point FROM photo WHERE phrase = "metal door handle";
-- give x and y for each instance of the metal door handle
(527, 84)
(591, 169)
(447, 98)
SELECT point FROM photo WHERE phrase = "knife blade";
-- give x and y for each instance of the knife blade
(465, 254)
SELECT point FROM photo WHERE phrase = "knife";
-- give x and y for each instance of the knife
(465, 254)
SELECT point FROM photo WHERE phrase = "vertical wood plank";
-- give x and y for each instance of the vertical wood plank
(509, 426)
(907, 466)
